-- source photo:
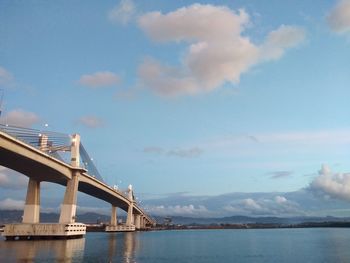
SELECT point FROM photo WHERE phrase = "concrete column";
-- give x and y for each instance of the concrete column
(137, 221)
(69, 205)
(75, 155)
(114, 216)
(32, 206)
(130, 216)
(143, 222)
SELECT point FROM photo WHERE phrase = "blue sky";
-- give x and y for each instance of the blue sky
(194, 98)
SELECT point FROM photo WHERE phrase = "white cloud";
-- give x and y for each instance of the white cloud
(6, 77)
(91, 121)
(99, 79)
(10, 179)
(184, 210)
(165, 80)
(11, 204)
(123, 12)
(21, 118)
(218, 52)
(250, 204)
(196, 22)
(279, 40)
(339, 17)
(280, 199)
(329, 184)
(277, 206)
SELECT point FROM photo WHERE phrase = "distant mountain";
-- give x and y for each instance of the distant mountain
(178, 220)
(15, 216)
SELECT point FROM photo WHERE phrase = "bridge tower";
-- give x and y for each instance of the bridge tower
(130, 216)
(137, 219)
(69, 205)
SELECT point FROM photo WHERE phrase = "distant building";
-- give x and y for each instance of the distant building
(167, 221)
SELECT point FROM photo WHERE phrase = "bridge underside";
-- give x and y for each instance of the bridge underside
(44, 173)
(31, 168)
(102, 194)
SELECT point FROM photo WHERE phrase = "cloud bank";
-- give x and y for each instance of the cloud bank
(275, 206)
(218, 52)
(178, 210)
(11, 204)
(13, 180)
(247, 204)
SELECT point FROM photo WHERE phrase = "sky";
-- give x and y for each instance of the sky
(208, 108)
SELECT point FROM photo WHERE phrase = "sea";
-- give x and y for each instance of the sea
(312, 245)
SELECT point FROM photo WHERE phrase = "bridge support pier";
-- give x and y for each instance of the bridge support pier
(32, 229)
(142, 223)
(137, 221)
(114, 227)
(31, 212)
(69, 205)
(130, 215)
(114, 216)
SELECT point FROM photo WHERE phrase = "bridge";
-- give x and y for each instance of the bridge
(46, 156)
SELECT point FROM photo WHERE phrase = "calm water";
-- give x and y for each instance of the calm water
(262, 245)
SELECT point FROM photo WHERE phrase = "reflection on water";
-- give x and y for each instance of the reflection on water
(42, 250)
(122, 246)
(99, 247)
(131, 247)
(206, 246)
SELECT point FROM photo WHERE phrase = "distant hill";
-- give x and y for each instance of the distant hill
(251, 220)
(14, 216)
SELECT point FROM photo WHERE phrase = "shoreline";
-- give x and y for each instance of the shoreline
(94, 228)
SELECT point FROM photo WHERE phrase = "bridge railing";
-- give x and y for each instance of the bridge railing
(46, 141)
(55, 144)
